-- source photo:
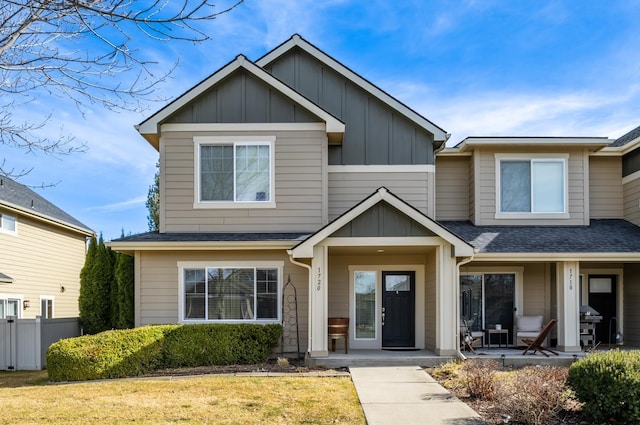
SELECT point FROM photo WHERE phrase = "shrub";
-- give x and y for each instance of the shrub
(133, 352)
(109, 354)
(479, 376)
(533, 395)
(220, 344)
(608, 384)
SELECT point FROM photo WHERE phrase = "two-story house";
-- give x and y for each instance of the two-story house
(294, 170)
(42, 249)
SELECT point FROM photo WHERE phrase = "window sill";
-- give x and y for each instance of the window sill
(233, 205)
(229, 322)
(532, 216)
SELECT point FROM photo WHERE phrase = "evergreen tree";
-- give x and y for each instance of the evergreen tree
(153, 201)
(125, 280)
(97, 318)
(85, 300)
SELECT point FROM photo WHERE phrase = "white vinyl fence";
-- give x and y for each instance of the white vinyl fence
(24, 342)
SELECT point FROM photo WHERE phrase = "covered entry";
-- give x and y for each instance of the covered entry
(391, 270)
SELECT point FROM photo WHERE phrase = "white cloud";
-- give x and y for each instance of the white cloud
(119, 206)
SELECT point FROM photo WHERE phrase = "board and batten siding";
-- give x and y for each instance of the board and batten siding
(452, 188)
(299, 192)
(41, 259)
(605, 187)
(486, 190)
(376, 134)
(346, 189)
(157, 292)
(631, 300)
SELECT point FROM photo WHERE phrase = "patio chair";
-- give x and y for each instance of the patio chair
(535, 345)
(469, 338)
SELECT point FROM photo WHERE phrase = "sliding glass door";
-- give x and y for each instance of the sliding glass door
(487, 299)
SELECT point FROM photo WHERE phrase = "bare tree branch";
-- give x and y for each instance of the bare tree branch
(86, 51)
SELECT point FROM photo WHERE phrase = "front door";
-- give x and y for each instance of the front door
(602, 298)
(398, 309)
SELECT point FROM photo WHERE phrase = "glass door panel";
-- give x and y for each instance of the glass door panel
(365, 300)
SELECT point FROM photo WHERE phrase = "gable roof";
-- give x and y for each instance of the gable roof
(297, 41)
(18, 197)
(149, 128)
(614, 237)
(305, 249)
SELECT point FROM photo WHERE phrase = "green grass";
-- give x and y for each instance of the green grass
(27, 398)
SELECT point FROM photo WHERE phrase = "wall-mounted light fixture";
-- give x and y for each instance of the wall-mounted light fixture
(62, 288)
(26, 304)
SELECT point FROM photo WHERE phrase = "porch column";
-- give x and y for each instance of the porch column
(567, 273)
(447, 337)
(318, 304)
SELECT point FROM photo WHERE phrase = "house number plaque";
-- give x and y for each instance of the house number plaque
(318, 280)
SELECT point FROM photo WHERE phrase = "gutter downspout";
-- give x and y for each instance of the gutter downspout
(308, 267)
(462, 262)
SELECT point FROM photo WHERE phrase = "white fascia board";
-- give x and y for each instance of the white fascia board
(201, 245)
(409, 168)
(553, 257)
(150, 125)
(438, 133)
(305, 249)
(593, 142)
(41, 217)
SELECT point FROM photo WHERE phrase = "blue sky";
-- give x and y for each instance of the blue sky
(475, 68)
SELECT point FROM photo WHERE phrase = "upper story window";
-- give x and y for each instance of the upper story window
(234, 172)
(531, 187)
(7, 223)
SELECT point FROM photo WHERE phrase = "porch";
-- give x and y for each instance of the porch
(508, 357)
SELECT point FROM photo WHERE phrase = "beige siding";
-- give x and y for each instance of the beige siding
(299, 193)
(631, 191)
(158, 292)
(42, 259)
(535, 290)
(348, 189)
(605, 187)
(452, 188)
(472, 192)
(486, 191)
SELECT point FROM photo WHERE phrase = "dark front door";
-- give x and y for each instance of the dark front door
(398, 309)
(602, 298)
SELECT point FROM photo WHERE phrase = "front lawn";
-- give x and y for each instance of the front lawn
(27, 398)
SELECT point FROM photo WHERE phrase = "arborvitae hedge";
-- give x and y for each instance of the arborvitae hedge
(106, 289)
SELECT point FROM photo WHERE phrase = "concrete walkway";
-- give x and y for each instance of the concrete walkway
(408, 395)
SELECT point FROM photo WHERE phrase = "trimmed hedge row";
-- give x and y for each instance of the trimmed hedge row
(608, 384)
(133, 352)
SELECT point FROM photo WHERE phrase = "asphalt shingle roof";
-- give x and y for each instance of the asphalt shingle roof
(19, 195)
(212, 237)
(601, 236)
(626, 138)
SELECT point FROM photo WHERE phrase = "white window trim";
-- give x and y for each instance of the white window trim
(7, 231)
(20, 298)
(199, 141)
(563, 158)
(182, 265)
(53, 305)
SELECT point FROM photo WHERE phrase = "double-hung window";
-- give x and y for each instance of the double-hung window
(240, 292)
(534, 186)
(234, 172)
(7, 223)
(9, 307)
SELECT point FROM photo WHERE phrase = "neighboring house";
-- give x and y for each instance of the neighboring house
(293, 168)
(42, 250)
